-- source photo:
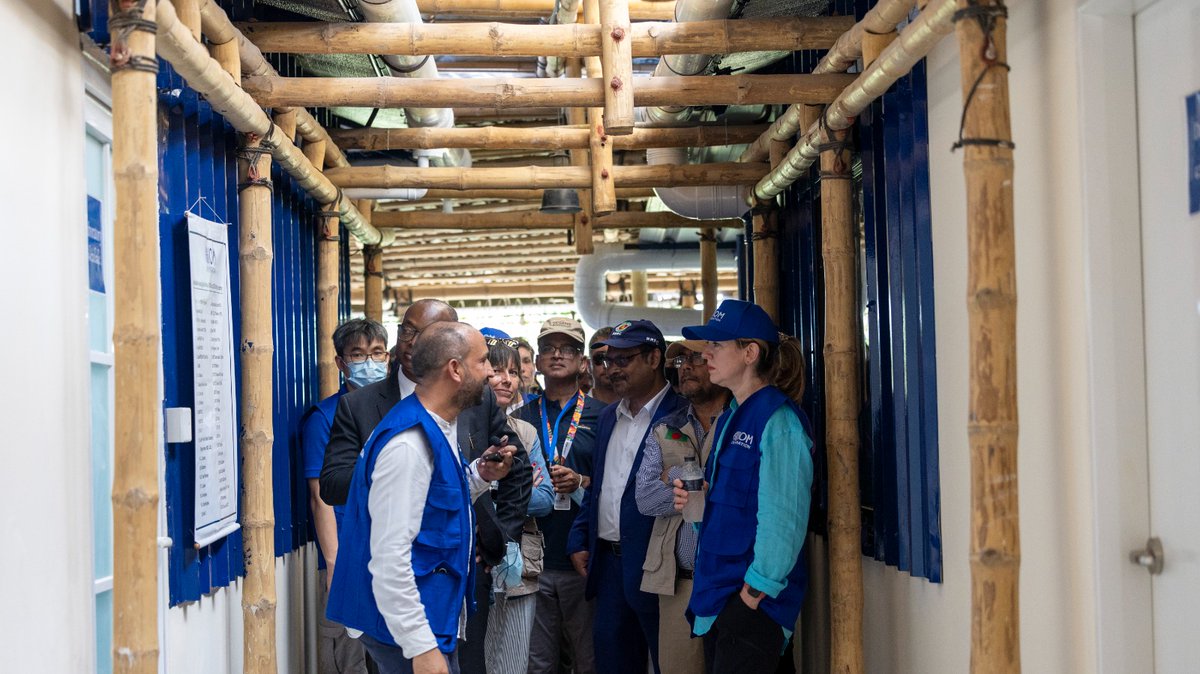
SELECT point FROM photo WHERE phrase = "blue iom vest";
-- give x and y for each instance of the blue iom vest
(442, 554)
(726, 546)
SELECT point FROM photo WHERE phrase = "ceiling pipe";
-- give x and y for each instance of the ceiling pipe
(406, 11)
(590, 286)
(707, 203)
(565, 12)
(683, 65)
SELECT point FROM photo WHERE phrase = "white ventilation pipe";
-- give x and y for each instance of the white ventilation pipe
(405, 11)
(590, 286)
(706, 203)
(684, 64)
(565, 12)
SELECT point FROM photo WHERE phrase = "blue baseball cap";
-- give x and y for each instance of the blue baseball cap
(632, 334)
(494, 333)
(735, 319)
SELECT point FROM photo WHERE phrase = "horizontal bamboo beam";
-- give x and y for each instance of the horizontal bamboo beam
(549, 246)
(511, 291)
(578, 40)
(507, 264)
(639, 10)
(502, 93)
(536, 220)
(521, 194)
(660, 175)
(540, 138)
(509, 116)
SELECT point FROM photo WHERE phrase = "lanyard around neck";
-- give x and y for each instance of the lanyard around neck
(551, 432)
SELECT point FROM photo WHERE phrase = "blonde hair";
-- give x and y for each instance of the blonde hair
(782, 364)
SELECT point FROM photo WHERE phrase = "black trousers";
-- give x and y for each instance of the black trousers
(742, 641)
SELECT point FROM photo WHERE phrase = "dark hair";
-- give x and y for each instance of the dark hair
(782, 364)
(501, 354)
(438, 344)
(602, 333)
(523, 343)
(355, 330)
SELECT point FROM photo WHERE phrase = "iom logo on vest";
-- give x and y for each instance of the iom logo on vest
(742, 439)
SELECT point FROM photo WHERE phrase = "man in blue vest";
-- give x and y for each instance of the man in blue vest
(361, 355)
(609, 538)
(406, 560)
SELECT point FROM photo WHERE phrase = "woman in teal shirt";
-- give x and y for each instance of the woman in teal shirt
(750, 576)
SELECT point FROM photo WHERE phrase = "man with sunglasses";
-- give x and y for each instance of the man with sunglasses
(500, 514)
(609, 538)
(566, 422)
(671, 555)
(602, 389)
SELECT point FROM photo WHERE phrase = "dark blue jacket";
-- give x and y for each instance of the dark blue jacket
(442, 554)
(727, 534)
(635, 527)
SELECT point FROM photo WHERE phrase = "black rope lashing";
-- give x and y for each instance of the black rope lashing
(125, 18)
(407, 70)
(256, 182)
(986, 16)
(145, 64)
(832, 175)
(708, 236)
(764, 234)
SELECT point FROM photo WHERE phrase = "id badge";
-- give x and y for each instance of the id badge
(562, 501)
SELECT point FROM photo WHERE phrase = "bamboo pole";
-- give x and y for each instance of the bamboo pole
(501, 93)
(209, 78)
(286, 122)
(226, 55)
(658, 284)
(838, 253)
(511, 263)
(604, 197)
(137, 337)
(708, 271)
(883, 17)
(531, 220)
(659, 175)
(579, 40)
(533, 289)
(995, 552)
(189, 14)
(328, 241)
(256, 255)
(896, 60)
(616, 64)
(372, 269)
(764, 239)
(584, 244)
(522, 194)
(572, 137)
(639, 285)
(873, 44)
(640, 10)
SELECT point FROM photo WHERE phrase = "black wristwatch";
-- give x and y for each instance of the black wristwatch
(754, 592)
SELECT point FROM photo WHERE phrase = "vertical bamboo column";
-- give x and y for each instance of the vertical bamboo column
(838, 251)
(584, 245)
(256, 255)
(189, 15)
(766, 262)
(604, 189)
(616, 60)
(639, 284)
(708, 271)
(995, 554)
(328, 238)
(136, 339)
(372, 270)
(286, 121)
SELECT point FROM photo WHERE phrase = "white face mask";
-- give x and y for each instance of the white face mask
(366, 372)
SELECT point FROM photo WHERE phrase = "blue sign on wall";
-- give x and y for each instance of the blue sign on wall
(1193, 122)
(95, 245)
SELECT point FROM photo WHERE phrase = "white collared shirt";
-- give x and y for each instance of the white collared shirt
(399, 486)
(407, 386)
(622, 449)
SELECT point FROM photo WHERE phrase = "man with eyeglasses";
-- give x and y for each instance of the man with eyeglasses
(361, 355)
(500, 514)
(602, 389)
(566, 422)
(609, 538)
(671, 554)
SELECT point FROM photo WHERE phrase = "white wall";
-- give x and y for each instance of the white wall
(916, 626)
(44, 506)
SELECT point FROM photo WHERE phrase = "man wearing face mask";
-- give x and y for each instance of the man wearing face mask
(362, 357)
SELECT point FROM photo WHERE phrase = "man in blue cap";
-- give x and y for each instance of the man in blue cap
(609, 538)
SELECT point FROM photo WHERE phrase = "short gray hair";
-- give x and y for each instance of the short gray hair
(352, 331)
(438, 344)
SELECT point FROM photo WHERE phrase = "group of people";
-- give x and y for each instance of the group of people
(466, 524)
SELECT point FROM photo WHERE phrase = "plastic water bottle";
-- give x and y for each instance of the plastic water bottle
(692, 477)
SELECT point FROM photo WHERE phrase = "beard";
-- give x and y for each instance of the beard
(470, 393)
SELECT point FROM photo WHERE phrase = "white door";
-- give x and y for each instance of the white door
(1167, 40)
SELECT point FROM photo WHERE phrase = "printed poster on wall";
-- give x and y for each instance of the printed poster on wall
(215, 419)
(1193, 125)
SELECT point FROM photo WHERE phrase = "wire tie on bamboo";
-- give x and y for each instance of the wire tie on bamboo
(127, 17)
(706, 236)
(407, 70)
(326, 233)
(763, 235)
(985, 16)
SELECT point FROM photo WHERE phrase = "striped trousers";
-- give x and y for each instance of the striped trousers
(506, 646)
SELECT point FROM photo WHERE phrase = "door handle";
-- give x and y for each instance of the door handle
(1149, 557)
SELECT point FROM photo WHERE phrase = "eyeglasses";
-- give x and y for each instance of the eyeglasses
(619, 361)
(510, 343)
(408, 333)
(374, 357)
(567, 351)
(693, 358)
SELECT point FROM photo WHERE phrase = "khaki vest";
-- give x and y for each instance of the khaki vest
(659, 570)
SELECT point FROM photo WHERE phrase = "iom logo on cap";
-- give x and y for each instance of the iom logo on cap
(622, 328)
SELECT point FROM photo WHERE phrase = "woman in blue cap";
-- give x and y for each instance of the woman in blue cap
(750, 576)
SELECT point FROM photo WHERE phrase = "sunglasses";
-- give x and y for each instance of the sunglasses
(618, 361)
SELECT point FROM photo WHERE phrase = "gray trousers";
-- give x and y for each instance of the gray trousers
(337, 653)
(506, 646)
(561, 610)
